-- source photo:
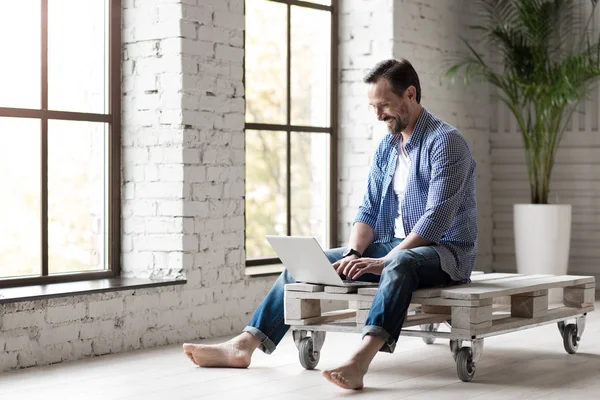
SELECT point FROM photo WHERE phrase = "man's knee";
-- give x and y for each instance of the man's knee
(404, 262)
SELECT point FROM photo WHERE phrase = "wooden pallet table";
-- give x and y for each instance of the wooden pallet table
(471, 311)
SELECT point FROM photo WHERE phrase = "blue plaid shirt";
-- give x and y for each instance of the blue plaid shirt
(439, 203)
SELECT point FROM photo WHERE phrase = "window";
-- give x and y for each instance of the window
(290, 82)
(59, 135)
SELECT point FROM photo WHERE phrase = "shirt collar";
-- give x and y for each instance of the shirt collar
(417, 132)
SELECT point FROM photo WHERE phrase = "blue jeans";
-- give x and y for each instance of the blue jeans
(405, 272)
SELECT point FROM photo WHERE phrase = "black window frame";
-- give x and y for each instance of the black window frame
(289, 129)
(113, 118)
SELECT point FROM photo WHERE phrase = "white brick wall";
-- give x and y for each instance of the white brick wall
(426, 32)
(361, 46)
(182, 198)
(439, 25)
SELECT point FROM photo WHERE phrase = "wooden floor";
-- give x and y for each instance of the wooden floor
(530, 364)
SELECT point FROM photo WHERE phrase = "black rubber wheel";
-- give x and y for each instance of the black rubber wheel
(428, 340)
(429, 328)
(570, 339)
(306, 354)
(465, 367)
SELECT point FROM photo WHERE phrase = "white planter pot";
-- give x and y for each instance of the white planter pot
(543, 240)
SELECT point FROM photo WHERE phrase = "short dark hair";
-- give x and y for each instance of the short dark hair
(400, 74)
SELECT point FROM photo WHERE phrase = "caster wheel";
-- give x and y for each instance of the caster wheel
(428, 340)
(429, 328)
(308, 358)
(465, 367)
(570, 338)
(561, 327)
(455, 345)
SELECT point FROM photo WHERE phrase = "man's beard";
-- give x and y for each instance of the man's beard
(400, 124)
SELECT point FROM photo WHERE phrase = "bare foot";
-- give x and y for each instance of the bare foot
(348, 376)
(234, 353)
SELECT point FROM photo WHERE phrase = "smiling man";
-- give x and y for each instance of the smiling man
(416, 228)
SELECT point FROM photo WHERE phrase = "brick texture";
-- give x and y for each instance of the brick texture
(182, 197)
(426, 32)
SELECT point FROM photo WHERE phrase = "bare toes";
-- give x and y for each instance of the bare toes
(188, 348)
(191, 358)
(340, 380)
(344, 378)
(327, 376)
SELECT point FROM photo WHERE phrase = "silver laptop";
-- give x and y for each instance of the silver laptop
(306, 261)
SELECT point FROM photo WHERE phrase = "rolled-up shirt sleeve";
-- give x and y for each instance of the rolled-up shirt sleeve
(450, 165)
(369, 209)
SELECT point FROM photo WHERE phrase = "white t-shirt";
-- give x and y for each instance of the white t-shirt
(400, 180)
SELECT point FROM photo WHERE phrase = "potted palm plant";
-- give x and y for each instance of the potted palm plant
(548, 64)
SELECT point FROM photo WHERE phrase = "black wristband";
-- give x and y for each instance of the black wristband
(351, 252)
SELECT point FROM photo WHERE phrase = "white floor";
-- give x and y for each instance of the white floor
(530, 364)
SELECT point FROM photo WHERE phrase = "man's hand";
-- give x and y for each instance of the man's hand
(356, 267)
(340, 265)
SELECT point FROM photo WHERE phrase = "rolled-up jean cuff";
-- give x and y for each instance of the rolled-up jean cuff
(266, 345)
(390, 343)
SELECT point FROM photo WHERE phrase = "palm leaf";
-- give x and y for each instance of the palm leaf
(550, 63)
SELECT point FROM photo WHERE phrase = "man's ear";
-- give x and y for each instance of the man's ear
(411, 93)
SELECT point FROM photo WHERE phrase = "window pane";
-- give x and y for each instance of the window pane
(310, 186)
(311, 66)
(265, 190)
(77, 196)
(77, 55)
(20, 46)
(266, 57)
(20, 204)
(323, 2)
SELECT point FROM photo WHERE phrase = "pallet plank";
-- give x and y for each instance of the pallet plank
(493, 276)
(586, 286)
(330, 317)
(509, 323)
(369, 291)
(421, 319)
(341, 289)
(361, 315)
(349, 326)
(435, 292)
(515, 322)
(328, 296)
(439, 301)
(304, 287)
(507, 288)
(325, 317)
(536, 293)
